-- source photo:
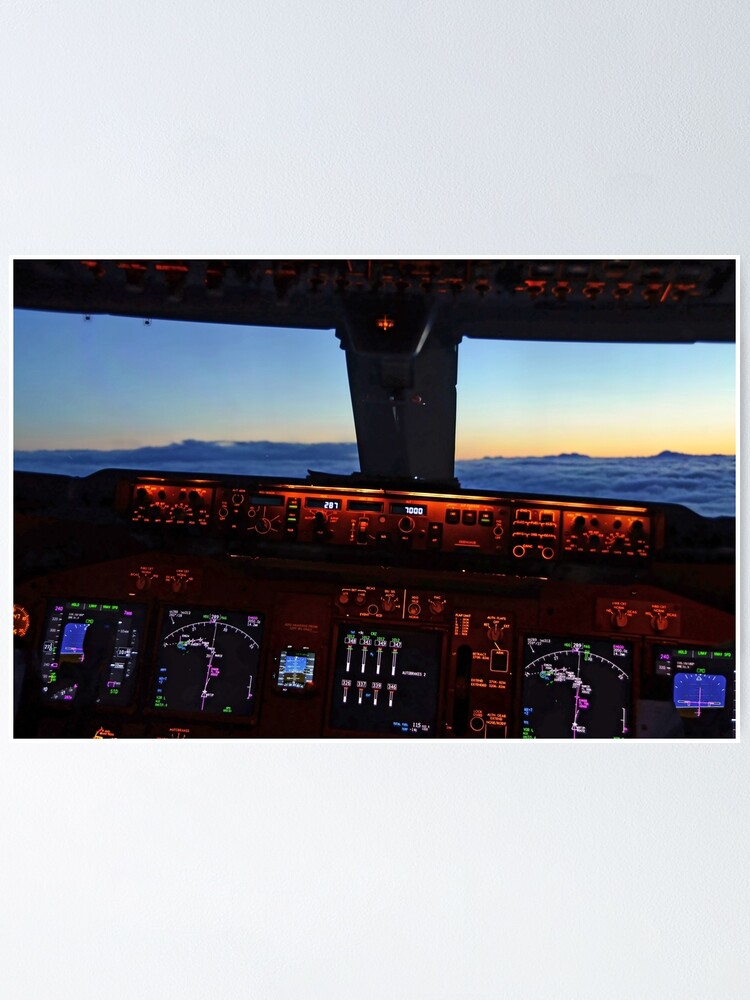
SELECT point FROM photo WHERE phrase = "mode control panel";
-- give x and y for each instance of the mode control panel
(498, 529)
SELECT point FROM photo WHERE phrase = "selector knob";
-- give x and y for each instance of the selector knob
(437, 605)
(406, 524)
(320, 524)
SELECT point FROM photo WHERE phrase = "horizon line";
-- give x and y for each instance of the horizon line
(226, 446)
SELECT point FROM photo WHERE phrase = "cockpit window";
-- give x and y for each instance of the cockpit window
(655, 422)
(105, 391)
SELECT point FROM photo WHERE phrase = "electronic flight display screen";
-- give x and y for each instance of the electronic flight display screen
(700, 682)
(91, 645)
(576, 688)
(296, 670)
(386, 681)
(207, 662)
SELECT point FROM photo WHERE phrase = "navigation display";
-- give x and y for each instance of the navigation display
(576, 688)
(207, 661)
(386, 681)
(91, 650)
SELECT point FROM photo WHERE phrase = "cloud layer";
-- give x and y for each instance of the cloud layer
(706, 483)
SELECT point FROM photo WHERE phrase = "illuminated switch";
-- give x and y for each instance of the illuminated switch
(452, 516)
(469, 517)
(486, 519)
(499, 660)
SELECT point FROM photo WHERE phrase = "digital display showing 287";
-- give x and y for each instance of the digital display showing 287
(207, 662)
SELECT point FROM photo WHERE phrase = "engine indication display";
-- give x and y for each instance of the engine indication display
(576, 688)
(207, 661)
(386, 681)
(91, 645)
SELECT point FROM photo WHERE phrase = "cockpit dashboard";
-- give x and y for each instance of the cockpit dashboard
(237, 607)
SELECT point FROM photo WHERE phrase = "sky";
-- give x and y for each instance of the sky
(113, 382)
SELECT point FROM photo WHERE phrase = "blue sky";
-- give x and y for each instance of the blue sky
(113, 382)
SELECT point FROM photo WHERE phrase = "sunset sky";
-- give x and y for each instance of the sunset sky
(112, 382)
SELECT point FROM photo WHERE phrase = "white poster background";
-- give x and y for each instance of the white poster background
(340, 869)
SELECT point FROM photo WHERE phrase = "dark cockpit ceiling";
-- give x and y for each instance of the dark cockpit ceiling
(641, 300)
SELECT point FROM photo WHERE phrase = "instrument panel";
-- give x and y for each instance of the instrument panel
(178, 607)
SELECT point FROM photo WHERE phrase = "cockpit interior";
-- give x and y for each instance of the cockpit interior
(390, 603)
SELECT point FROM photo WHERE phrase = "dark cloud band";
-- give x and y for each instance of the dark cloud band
(706, 483)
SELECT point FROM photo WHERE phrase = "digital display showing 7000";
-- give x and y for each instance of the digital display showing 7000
(414, 509)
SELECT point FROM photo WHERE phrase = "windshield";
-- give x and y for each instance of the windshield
(651, 422)
(654, 422)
